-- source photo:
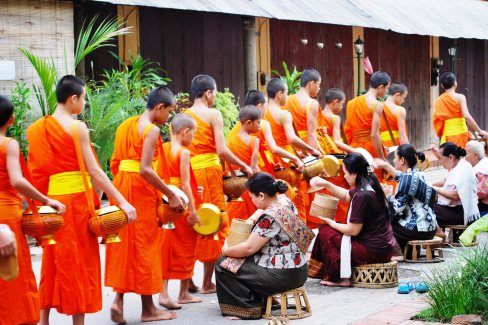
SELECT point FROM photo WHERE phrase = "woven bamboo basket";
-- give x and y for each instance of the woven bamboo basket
(313, 167)
(239, 232)
(107, 224)
(380, 275)
(42, 225)
(324, 205)
(234, 185)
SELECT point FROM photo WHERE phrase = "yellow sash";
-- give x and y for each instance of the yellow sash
(454, 126)
(385, 135)
(303, 134)
(205, 160)
(67, 183)
(176, 181)
(133, 166)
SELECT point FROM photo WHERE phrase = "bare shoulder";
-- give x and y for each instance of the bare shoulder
(12, 145)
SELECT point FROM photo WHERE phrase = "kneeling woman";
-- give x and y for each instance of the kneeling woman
(366, 238)
(272, 260)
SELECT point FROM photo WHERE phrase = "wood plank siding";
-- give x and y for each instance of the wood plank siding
(335, 65)
(407, 59)
(188, 43)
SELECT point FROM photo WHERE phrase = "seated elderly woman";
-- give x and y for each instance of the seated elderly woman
(475, 155)
(366, 238)
(457, 200)
(413, 200)
(272, 260)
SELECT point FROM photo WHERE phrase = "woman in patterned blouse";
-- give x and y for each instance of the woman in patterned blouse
(413, 218)
(272, 260)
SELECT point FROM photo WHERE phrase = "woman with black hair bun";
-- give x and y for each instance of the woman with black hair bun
(457, 202)
(412, 203)
(366, 238)
(272, 260)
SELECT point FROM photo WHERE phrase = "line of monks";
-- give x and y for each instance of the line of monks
(271, 134)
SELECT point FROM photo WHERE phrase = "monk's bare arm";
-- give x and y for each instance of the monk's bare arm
(224, 153)
(274, 149)
(312, 125)
(294, 140)
(185, 186)
(20, 183)
(469, 119)
(99, 179)
(337, 136)
(375, 131)
(402, 129)
(254, 156)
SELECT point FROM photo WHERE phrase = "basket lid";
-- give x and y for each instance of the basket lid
(331, 165)
(210, 219)
(107, 210)
(178, 192)
(45, 209)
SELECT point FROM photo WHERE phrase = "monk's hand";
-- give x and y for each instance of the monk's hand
(200, 191)
(129, 211)
(317, 153)
(176, 202)
(299, 164)
(247, 170)
(7, 241)
(483, 134)
(58, 206)
(193, 219)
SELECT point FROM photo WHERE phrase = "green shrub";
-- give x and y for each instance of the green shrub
(228, 105)
(292, 79)
(20, 98)
(462, 289)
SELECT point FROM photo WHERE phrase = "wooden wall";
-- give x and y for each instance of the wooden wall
(407, 59)
(471, 69)
(45, 27)
(335, 65)
(188, 43)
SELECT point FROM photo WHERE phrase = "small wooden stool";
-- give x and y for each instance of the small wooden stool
(431, 246)
(380, 275)
(302, 308)
(457, 231)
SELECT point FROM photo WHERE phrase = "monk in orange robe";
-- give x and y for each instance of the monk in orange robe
(134, 265)
(245, 147)
(281, 123)
(19, 297)
(451, 114)
(396, 115)
(363, 116)
(267, 143)
(206, 149)
(70, 273)
(178, 245)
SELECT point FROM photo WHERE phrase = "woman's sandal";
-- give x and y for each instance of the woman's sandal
(405, 287)
(421, 287)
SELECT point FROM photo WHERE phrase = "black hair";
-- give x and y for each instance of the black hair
(249, 113)
(379, 78)
(309, 75)
(202, 83)
(6, 110)
(263, 182)
(355, 163)
(333, 94)
(161, 94)
(447, 80)
(397, 88)
(411, 156)
(254, 97)
(274, 86)
(68, 86)
(182, 121)
(449, 148)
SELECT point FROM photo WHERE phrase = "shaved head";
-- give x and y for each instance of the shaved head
(182, 121)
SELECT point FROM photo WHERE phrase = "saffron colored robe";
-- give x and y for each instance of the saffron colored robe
(178, 245)
(134, 265)
(243, 151)
(448, 110)
(393, 121)
(70, 273)
(209, 175)
(19, 298)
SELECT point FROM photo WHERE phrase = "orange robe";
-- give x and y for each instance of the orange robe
(70, 274)
(243, 151)
(19, 298)
(177, 245)
(134, 265)
(281, 141)
(449, 123)
(341, 215)
(393, 121)
(208, 173)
